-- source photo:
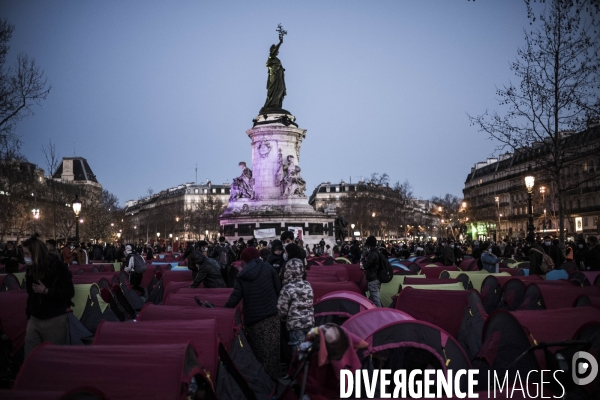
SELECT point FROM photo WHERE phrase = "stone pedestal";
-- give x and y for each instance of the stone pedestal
(278, 201)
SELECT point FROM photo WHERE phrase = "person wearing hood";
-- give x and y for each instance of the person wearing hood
(295, 304)
(592, 257)
(50, 288)
(193, 253)
(258, 286)
(276, 258)
(207, 270)
(135, 278)
(580, 253)
(370, 264)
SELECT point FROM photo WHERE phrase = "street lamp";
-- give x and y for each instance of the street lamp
(497, 198)
(76, 209)
(206, 235)
(529, 182)
(36, 216)
(118, 235)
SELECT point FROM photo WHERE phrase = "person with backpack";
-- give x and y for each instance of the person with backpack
(208, 271)
(370, 264)
(536, 257)
(224, 255)
(135, 266)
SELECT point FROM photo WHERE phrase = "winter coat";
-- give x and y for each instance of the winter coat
(488, 261)
(556, 254)
(208, 271)
(277, 261)
(295, 304)
(259, 286)
(448, 255)
(59, 282)
(371, 264)
(535, 260)
(216, 254)
(592, 258)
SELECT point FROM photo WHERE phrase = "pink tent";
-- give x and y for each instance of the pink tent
(62, 368)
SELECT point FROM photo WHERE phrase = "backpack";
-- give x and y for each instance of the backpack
(385, 272)
(139, 265)
(223, 258)
(547, 264)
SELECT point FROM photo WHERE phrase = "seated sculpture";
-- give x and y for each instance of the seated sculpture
(243, 185)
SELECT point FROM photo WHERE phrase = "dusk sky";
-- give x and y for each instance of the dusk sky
(145, 90)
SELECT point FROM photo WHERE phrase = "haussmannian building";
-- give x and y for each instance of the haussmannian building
(498, 199)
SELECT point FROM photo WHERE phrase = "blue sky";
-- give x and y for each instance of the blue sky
(146, 89)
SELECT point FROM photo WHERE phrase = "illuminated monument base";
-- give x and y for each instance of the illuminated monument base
(269, 198)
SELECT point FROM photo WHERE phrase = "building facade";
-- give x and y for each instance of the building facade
(185, 212)
(498, 199)
(414, 217)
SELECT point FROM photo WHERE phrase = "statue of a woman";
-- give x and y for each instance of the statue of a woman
(275, 82)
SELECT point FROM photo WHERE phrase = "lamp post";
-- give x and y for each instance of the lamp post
(352, 226)
(544, 220)
(76, 209)
(206, 235)
(36, 216)
(529, 182)
(158, 238)
(497, 199)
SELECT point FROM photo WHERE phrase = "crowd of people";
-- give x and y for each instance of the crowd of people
(270, 277)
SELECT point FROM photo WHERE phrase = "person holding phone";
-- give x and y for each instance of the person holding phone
(50, 287)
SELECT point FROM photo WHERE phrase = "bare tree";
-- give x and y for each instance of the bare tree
(558, 68)
(21, 87)
(52, 161)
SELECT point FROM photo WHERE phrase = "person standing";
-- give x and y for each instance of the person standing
(536, 256)
(67, 253)
(258, 286)
(370, 263)
(448, 253)
(592, 256)
(135, 277)
(553, 251)
(295, 304)
(50, 288)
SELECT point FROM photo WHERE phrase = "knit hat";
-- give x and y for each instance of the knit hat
(249, 254)
(371, 241)
(276, 244)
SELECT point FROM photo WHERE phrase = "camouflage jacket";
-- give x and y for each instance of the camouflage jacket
(295, 304)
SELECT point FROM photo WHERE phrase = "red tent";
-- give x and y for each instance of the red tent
(507, 335)
(493, 286)
(203, 290)
(543, 296)
(339, 271)
(320, 289)
(188, 299)
(173, 287)
(355, 274)
(62, 368)
(13, 320)
(229, 331)
(586, 278)
(337, 307)
(228, 319)
(202, 333)
(435, 272)
(363, 323)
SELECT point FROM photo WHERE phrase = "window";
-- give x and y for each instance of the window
(222, 190)
(196, 191)
(205, 191)
(214, 190)
(337, 188)
(585, 221)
